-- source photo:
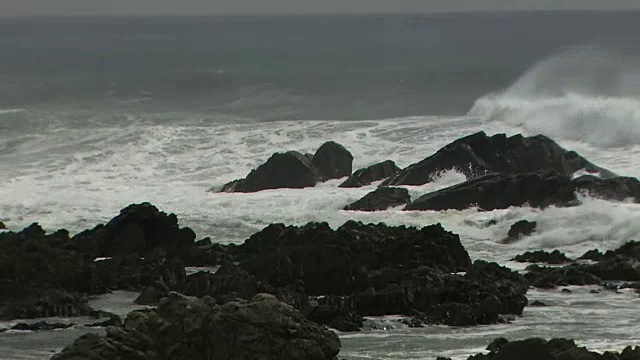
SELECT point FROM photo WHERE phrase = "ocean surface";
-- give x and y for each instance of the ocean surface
(97, 113)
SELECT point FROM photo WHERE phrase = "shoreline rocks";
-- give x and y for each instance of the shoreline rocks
(370, 174)
(381, 198)
(188, 328)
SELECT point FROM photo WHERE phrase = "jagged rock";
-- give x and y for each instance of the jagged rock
(149, 296)
(40, 304)
(2, 226)
(282, 170)
(368, 175)
(547, 277)
(539, 189)
(541, 256)
(40, 326)
(333, 161)
(113, 320)
(381, 198)
(187, 328)
(620, 264)
(519, 230)
(594, 255)
(479, 154)
(138, 229)
(554, 349)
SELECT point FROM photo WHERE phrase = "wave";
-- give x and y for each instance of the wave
(10, 111)
(584, 94)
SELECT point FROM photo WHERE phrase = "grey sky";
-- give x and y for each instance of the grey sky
(222, 7)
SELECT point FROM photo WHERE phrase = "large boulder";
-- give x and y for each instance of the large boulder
(366, 176)
(381, 198)
(187, 328)
(290, 169)
(519, 230)
(479, 154)
(137, 230)
(537, 189)
(333, 161)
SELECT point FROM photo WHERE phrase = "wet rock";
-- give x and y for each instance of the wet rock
(479, 154)
(381, 198)
(594, 255)
(188, 328)
(519, 230)
(149, 296)
(47, 303)
(2, 226)
(137, 230)
(40, 326)
(617, 188)
(113, 320)
(541, 256)
(496, 344)
(368, 175)
(538, 303)
(282, 170)
(333, 161)
(548, 277)
(538, 349)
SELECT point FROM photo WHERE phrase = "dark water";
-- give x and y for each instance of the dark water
(265, 68)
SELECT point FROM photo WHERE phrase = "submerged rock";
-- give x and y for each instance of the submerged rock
(368, 175)
(290, 169)
(381, 198)
(188, 328)
(519, 230)
(333, 161)
(479, 154)
(541, 256)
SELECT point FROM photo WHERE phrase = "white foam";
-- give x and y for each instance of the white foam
(10, 111)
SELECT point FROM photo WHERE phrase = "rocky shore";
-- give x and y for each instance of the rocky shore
(275, 295)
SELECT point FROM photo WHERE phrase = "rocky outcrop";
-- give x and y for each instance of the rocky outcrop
(290, 169)
(333, 161)
(479, 154)
(2, 226)
(137, 230)
(519, 230)
(381, 198)
(537, 189)
(368, 175)
(189, 328)
(38, 326)
(554, 349)
(541, 256)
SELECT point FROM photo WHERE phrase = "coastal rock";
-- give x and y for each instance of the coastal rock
(40, 326)
(381, 198)
(537, 189)
(519, 230)
(187, 328)
(43, 303)
(500, 191)
(368, 175)
(137, 230)
(333, 161)
(620, 264)
(2, 226)
(554, 349)
(541, 256)
(479, 154)
(290, 169)
(550, 277)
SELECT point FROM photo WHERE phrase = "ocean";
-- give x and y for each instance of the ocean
(97, 113)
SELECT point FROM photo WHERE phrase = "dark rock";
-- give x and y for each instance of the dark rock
(113, 320)
(567, 291)
(618, 188)
(519, 230)
(540, 256)
(496, 344)
(2, 226)
(204, 242)
(282, 170)
(40, 326)
(381, 198)
(479, 154)
(538, 349)
(548, 277)
(368, 175)
(594, 255)
(138, 229)
(187, 328)
(538, 303)
(333, 161)
(149, 296)
(45, 303)
(500, 191)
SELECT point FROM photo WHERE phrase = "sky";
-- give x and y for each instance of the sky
(265, 7)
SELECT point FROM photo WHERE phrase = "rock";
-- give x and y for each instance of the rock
(538, 303)
(381, 198)
(44, 303)
(40, 326)
(368, 175)
(282, 170)
(186, 328)
(549, 277)
(496, 344)
(2, 226)
(620, 264)
(137, 230)
(519, 230)
(568, 291)
(594, 255)
(149, 296)
(500, 191)
(333, 161)
(540, 256)
(113, 320)
(479, 154)
(617, 188)
(538, 349)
